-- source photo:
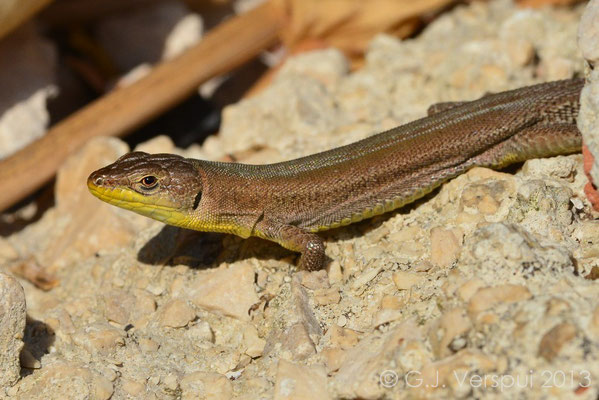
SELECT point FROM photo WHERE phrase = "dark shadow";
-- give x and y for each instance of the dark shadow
(16, 218)
(38, 338)
(176, 246)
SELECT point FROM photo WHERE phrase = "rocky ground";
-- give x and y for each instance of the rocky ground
(483, 289)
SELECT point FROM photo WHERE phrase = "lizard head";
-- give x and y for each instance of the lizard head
(164, 187)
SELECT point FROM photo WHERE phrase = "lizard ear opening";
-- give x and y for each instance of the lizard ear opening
(196, 200)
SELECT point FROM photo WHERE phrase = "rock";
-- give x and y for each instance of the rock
(325, 297)
(358, 376)
(302, 312)
(500, 246)
(206, 385)
(589, 98)
(99, 338)
(131, 387)
(28, 360)
(553, 341)
(12, 323)
(488, 297)
(343, 338)
(200, 332)
(124, 307)
(301, 106)
(226, 290)
(66, 380)
(335, 273)
(469, 289)
(334, 358)
(158, 144)
(452, 372)
(298, 343)
(445, 246)
(176, 314)
(451, 325)
(405, 280)
(364, 278)
(156, 32)
(254, 345)
(298, 382)
(326, 66)
(588, 32)
(80, 224)
(27, 78)
(170, 382)
(148, 345)
(315, 279)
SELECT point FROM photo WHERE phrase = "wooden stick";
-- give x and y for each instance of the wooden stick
(222, 49)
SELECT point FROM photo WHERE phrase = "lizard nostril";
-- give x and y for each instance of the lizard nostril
(98, 181)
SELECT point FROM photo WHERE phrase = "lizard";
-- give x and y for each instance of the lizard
(289, 202)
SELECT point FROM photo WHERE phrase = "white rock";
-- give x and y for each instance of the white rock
(27, 64)
(12, 325)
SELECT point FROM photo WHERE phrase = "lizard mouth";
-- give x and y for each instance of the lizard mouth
(130, 200)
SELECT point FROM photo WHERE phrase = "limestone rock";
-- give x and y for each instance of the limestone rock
(156, 32)
(226, 290)
(588, 32)
(99, 338)
(27, 67)
(206, 385)
(176, 314)
(66, 380)
(12, 325)
(298, 382)
(359, 374)
(405, 280)
(554, 340)
(445, 246)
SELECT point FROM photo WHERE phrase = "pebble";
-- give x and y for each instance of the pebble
(99, 338)
(405, 280)
(445, 246)
(452, 324)
(333, 358)
(553, 341)
(131, 387)
(200, 332)
(176, 314)
(343, 338)
(315, 280)
(254, 344)
(148, 345)
(325, 297)
(489, 297)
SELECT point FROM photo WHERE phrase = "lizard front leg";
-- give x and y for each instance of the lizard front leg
(309, 244)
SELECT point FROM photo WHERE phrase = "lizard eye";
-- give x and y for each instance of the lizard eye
(148, 182)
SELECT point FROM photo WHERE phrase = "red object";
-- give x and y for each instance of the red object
(590, 189)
